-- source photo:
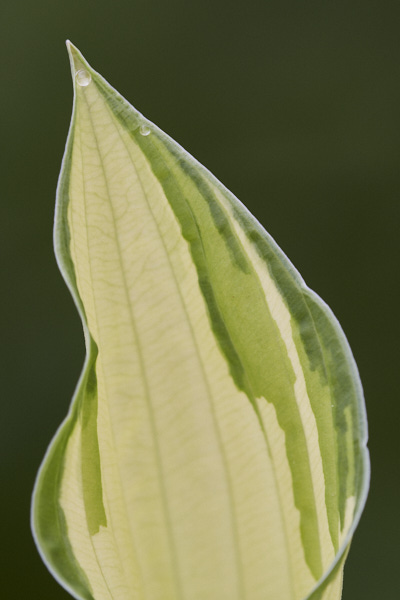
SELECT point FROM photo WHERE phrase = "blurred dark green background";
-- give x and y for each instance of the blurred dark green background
(295, 106)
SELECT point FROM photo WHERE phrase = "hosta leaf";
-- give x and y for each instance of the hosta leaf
(215, 447)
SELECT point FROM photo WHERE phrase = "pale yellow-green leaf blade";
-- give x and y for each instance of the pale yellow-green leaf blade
(215, 448)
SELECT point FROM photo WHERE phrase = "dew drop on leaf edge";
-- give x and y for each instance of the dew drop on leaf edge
(83, 78)
(144, 130)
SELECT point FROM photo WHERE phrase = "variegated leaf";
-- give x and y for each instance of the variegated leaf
(215, 447)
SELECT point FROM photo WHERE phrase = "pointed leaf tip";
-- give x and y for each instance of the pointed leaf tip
(76, 59)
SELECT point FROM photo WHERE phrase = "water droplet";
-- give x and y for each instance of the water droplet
(144, 130)
(83, 78)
